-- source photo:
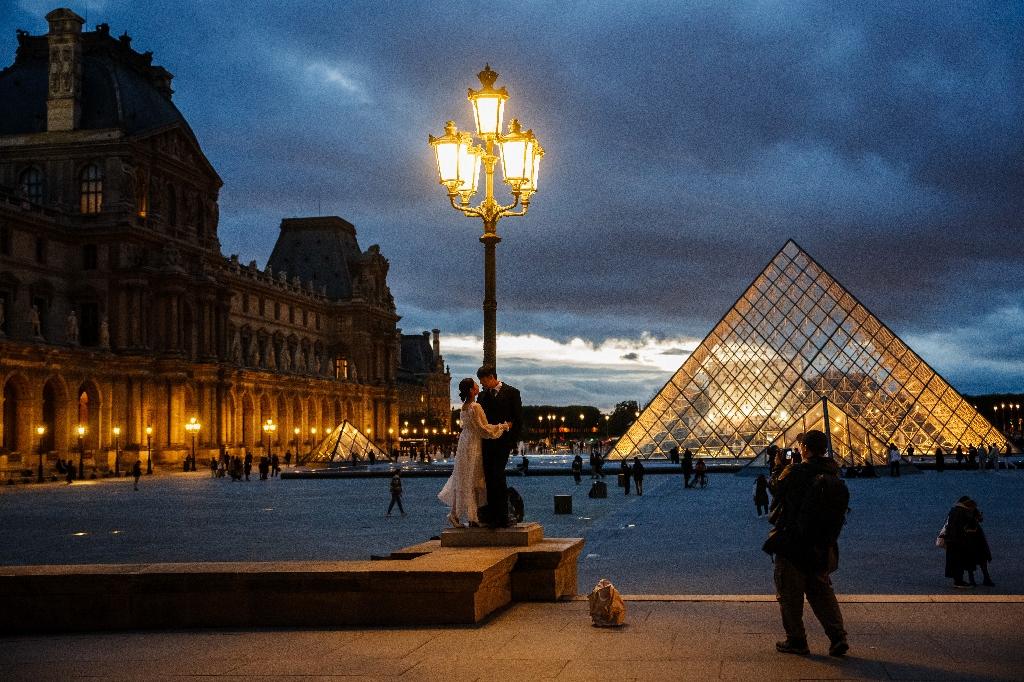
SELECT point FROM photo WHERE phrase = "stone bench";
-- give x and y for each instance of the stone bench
(427, 584)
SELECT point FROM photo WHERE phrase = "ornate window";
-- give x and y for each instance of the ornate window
(91, 193)
(340, 368)
(30, 182)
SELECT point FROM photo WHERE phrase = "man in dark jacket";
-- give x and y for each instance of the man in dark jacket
(802, 563)
(501, 403)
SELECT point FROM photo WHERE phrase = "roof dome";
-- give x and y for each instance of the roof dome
(120, 87)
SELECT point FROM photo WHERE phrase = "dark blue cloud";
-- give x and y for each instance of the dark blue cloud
(685, 144)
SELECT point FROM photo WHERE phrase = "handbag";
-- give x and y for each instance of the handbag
(940, 539)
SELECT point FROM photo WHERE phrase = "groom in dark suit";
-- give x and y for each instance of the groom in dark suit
(501, 403)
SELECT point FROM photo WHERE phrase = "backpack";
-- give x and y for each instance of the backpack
(823, 511)
(516, 508)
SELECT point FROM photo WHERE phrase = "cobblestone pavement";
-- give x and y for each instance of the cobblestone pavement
(661, 641)
(670, 541)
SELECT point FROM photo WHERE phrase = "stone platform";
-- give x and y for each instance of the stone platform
(519, 535)
(426, 584)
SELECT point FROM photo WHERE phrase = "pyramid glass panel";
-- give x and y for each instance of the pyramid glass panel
(794, 347)
(345, 443)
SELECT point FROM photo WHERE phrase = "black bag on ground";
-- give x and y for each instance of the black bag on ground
(516, 509)
(598, 489)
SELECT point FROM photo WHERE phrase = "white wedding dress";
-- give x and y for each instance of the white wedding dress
(465, 491)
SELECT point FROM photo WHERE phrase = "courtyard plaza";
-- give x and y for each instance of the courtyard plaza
(669, 541)
(699, 595)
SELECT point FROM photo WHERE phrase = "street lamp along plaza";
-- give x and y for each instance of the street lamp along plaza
(458, 169)
(149, 450)
(40, 431)
(192, 427)
(117, 450)
(81, 451)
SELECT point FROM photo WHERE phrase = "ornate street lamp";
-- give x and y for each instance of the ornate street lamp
(192, 427)
(149, 450)
(81, 451)
(269, 428)
(40, 431)
(295, 432)
(458, 169)
(117, 451)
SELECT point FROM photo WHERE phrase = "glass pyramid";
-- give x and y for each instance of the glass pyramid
(797, 341)
(345, 443)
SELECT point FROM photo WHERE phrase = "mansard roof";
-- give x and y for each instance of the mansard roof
(323, 250)
(120, 87)
(417, 355)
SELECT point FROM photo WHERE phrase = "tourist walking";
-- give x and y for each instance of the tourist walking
(624, 475)
(940, 459)
(638, 476)
(396, 490)
(213, 467)
(247, 465)
(980, 548)
(466, 489)
(761, 494)
(275, 465)
(960, 534)
(894, 461)
(700, 474)
(137, 472)
(687, 467)
(812, 503)
(577, 468)
(959, 456)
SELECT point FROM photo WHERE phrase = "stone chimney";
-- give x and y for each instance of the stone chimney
(437, 348)
(63, 102)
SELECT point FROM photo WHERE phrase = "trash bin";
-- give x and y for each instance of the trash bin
(563, 504)
(622, 480)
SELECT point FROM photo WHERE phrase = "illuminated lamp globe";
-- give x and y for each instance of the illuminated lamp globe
(517, 152)
(449, 150)
(488, 104)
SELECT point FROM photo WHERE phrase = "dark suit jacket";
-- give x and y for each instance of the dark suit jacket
(507, 406)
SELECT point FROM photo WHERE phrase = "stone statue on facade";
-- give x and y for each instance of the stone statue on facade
(268, 357)
(71, 328)
(253, 355)
(236, 349)
(286, 363)
(104, 333)
(300, 360)
(37, 323)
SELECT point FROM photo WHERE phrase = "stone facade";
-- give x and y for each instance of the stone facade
(424, 385)
(117, 307)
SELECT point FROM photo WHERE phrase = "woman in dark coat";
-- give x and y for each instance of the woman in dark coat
(979, 547)
(961, 534)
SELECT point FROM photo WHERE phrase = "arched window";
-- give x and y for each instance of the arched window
(91, 194)
(30, 182)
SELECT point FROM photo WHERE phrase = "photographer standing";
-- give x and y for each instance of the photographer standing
(808, 513)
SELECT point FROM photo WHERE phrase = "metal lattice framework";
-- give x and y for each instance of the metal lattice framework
(795, 339)
(345, 442)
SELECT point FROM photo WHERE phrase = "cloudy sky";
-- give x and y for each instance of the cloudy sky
(686, 141)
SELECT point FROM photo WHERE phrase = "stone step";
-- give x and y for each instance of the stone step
(519, 535)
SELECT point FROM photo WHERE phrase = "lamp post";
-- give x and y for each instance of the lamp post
(192, 427)
(295, 432)
(81, 451)
(606, 418)
(458, 169)
(117, 451)
(149, 450)
(40, 431)
(269, 427)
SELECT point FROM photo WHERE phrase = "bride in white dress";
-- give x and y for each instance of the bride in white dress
(465, 491)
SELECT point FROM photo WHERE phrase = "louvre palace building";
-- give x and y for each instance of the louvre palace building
(120, 314)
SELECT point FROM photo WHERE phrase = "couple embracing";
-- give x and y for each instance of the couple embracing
(492, 418)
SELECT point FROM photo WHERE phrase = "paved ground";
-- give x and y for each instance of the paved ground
(661, 641)
(670, 541)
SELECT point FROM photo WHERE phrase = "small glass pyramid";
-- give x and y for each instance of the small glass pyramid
(797, 341)
(345, 443)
